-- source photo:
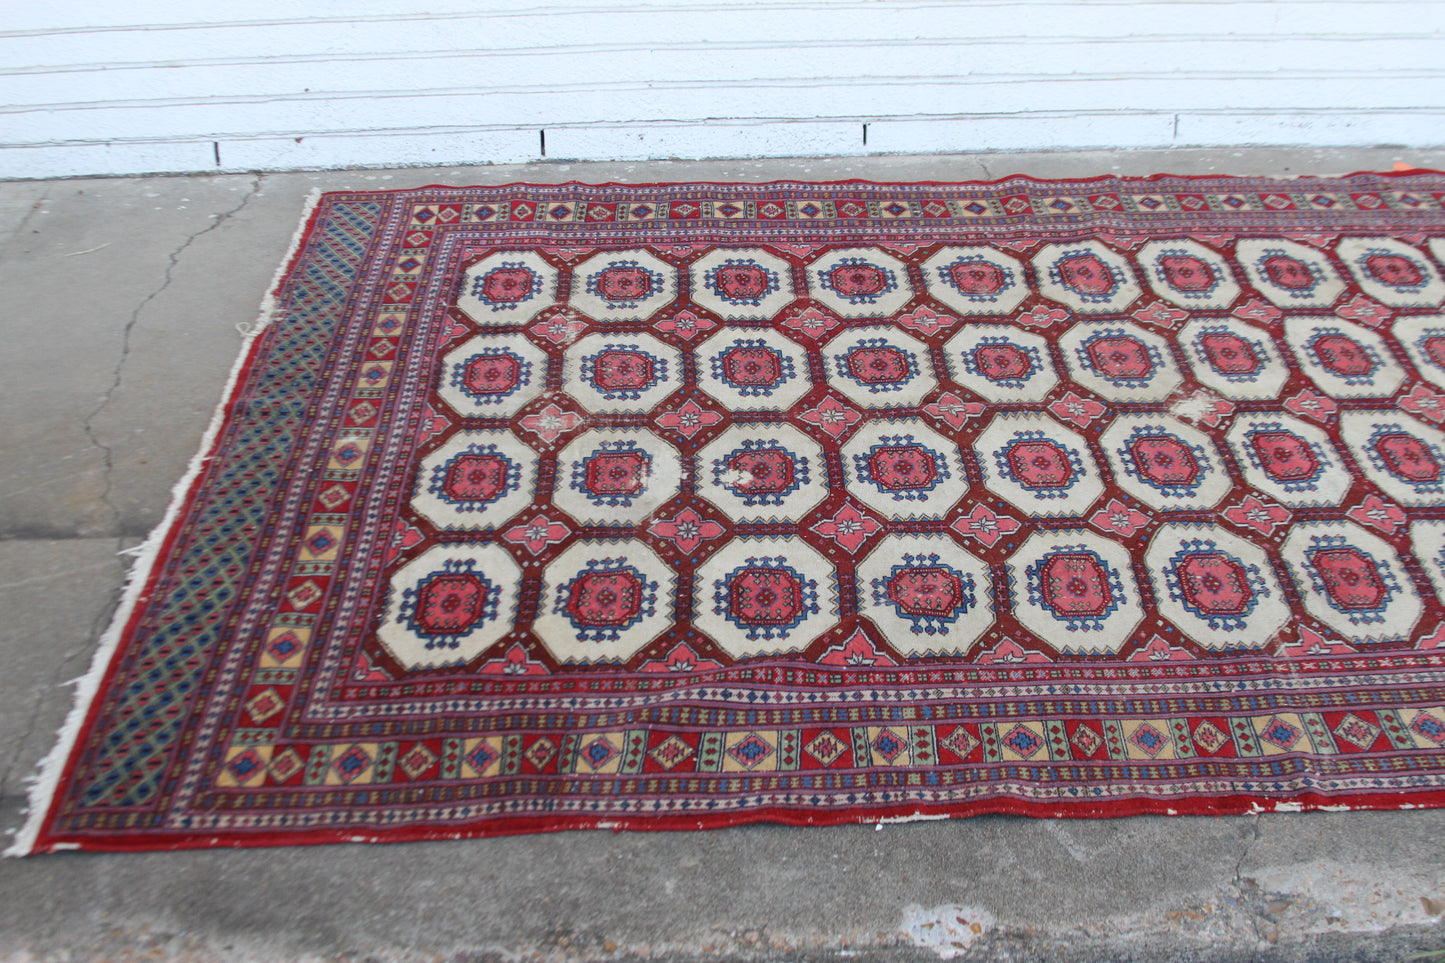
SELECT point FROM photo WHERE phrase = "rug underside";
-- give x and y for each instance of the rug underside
(688, 505)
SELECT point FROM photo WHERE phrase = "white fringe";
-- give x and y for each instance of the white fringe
(47, 777)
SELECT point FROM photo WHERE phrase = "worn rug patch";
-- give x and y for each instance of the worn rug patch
(687, 505)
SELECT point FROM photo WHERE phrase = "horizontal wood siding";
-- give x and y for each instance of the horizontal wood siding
(155, 86)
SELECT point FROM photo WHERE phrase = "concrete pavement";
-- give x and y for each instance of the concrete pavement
(122, 299)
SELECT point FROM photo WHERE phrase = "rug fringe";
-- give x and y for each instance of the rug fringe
(46, 778)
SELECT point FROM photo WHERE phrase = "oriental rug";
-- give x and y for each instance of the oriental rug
(688, 505)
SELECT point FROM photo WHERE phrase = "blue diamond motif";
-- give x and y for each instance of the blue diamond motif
(1023, 741)
(598, 752)
(751, 750)
(1149, 739)
(1281, 734)
(1429, 727)
(481, 757)
(888, 745)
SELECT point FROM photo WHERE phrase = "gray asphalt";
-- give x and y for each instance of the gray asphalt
(121, 304)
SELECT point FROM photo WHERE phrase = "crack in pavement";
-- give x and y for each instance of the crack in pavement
(104, 615)
(1249, 841)
(51, 577)
(25, 221)
(107, 455)
(1245, 887)
(32, 723)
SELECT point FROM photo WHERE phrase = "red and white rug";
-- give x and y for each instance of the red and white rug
(687, 505)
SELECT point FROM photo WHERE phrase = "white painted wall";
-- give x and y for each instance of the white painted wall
(156, 85)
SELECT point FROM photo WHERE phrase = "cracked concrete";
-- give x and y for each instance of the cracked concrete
(61, 592)
(1240, 884)
(123, 299)
(217, 220)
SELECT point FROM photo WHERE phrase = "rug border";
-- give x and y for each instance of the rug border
(45, 781)
(1122, 178)
(879, 816)
(1146, 178)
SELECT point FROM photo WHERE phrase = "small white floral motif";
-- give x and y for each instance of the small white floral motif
(986, 524)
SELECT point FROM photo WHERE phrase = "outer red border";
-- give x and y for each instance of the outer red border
(1146, 179)
(1233, 804)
